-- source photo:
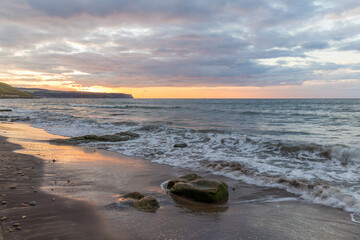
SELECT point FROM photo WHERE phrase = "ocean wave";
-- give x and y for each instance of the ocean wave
(314, 164)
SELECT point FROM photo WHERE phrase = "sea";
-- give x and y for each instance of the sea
(310, 147)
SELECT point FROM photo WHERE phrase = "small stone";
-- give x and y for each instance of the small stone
(4, 202)
(23, 217)
(53, 199)
(16, 224)
(13, 187)
(32, 203)
(3, 218)
(18, 228)
(53, 160)
(3, 195)
(35, 191)
(24, 205)
(180, 145)
(11, 230)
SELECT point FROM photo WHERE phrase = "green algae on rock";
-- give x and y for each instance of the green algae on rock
(147, 204)
(199, 189)
(142, 202)
(117, 137)
(134, 195)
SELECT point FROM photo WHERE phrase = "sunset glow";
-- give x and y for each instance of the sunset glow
(270, 49)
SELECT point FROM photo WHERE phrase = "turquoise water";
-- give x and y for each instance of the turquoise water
(307, 146)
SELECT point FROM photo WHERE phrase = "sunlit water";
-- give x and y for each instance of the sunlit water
(309, 147)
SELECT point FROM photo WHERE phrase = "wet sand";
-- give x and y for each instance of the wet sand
(85, 181)
(53, 217)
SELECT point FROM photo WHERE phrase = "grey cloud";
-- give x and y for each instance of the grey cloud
(202, 43)
(315, 45)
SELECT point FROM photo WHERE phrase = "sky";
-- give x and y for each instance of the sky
(184, 49)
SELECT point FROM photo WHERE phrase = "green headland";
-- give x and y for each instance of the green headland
(7, 91)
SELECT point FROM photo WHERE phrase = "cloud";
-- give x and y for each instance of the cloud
(315, 45)
(122, 43)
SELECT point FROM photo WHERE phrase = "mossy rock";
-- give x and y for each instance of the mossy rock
(134, 195)
(147, 204)
(199, 189)
(117, 137)
(180, 145)
(186, 178)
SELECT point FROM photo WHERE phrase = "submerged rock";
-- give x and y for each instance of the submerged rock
(117, 137)
(180, 145)
(199, 189)
(147, 204)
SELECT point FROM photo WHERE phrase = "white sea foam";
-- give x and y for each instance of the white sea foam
(320, 166)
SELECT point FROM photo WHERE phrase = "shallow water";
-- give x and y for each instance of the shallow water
(308, 146)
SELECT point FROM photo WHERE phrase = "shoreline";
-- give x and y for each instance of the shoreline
(53, 217)
(251, 212)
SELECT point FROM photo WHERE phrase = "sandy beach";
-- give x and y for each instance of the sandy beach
(74, 194)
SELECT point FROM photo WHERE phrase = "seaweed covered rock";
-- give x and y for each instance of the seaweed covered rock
(199, 189)
(186, 178)
(117, 137)
(180, 145)
(142, 202)
(134, 195)
(147, 204)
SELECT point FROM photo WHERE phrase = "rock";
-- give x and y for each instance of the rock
(199, 189)
(186, 178)
(33, 203)
(180, 145)
(117, 137)
(3, 195)
(23, 217)
(4, 202)
(134, 195)
(3, 218)
(13, 187)
(147, 204)
(18, 228)
(16, 225)
(24, 205)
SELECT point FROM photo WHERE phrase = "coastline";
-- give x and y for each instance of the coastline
(53, 217)
(251, 212)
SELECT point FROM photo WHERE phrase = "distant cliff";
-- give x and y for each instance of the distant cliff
(44, 93)
(7, 91)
